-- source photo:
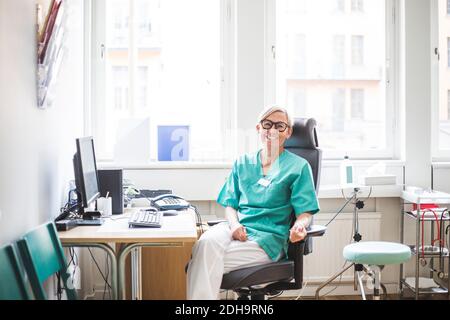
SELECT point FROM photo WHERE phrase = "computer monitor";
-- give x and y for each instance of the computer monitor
(86, 177)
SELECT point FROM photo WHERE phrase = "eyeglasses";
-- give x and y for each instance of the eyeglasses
(280, 126)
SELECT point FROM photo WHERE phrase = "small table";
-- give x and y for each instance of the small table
(176, 231)
(420, 198)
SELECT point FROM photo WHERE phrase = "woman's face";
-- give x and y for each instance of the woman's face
(276, 136)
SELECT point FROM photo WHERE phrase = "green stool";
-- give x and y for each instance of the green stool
(375, 254)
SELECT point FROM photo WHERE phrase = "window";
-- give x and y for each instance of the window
(448, 7)
(344, 90)
(340, 6)
(338, 119)
(160, 60)
(120, 86)
(357, 96)
(296, 6)
(297, 59)
(297, 101)
(448, 52)
(448, 105)
(441, 113)
(357, 5)
(338, 52)
(143, 87)
(357, 50)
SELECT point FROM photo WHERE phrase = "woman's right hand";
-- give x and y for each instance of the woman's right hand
(239, 233)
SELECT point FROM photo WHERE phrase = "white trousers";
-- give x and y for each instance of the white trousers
(215, 254)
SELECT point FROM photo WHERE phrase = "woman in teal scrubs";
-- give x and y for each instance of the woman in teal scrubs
(259, 196)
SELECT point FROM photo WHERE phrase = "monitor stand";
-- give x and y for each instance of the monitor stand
(89, 217)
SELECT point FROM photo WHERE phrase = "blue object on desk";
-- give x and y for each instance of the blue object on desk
(173, 143)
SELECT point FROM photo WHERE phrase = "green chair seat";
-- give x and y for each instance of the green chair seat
(377, 253)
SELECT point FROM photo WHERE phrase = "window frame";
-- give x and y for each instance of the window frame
(437, 154)
(95, 69)
(340, 6)
(392, 81)
(357, 6)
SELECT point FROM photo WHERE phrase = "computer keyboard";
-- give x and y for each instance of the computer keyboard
(145, 218)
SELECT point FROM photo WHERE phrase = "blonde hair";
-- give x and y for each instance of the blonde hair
(272, 109)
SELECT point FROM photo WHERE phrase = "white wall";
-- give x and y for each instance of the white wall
(36, 145)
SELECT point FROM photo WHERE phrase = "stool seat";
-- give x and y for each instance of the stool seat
(377, 253)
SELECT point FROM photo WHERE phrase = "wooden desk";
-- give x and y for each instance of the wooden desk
(177, 232)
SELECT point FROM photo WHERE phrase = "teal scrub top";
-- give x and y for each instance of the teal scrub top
(265, 209)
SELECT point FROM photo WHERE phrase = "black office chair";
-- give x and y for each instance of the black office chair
(286, 274)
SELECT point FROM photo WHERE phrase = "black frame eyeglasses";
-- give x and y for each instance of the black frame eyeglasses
(280, 126)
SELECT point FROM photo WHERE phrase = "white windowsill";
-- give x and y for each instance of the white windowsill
(441, 164)
(228, 165)
(381, 191)
(168, 165)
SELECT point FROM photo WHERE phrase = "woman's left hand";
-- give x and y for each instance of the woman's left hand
(297, 233)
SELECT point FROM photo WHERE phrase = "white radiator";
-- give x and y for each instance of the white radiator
(326, 258)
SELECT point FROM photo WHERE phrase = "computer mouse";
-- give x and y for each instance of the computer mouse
(170, 212)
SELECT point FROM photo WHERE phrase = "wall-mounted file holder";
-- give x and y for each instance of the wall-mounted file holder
(51, 35)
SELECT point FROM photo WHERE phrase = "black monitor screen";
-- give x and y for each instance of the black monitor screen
(87, 170)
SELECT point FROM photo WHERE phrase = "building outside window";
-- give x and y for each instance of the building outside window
(357, 96)
(357, 5)
(341, 83)
(357, 50)
(339, 110)
(340, 6)
(152, 69)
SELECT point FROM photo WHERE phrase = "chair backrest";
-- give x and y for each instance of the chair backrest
(43, 256)
(12, 283)
(304, 143)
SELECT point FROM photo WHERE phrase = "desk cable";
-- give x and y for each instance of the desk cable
(101, 273)
(66, 212)
(199, 222)
(446, 238)
(346, 203)
(440, 238)
(74, 260)
(107, 277)
(350, 241)
(367, 198)
(299, 297)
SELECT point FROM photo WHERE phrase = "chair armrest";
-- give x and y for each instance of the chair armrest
(316, 230)
(214, 222)
(296, 249)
